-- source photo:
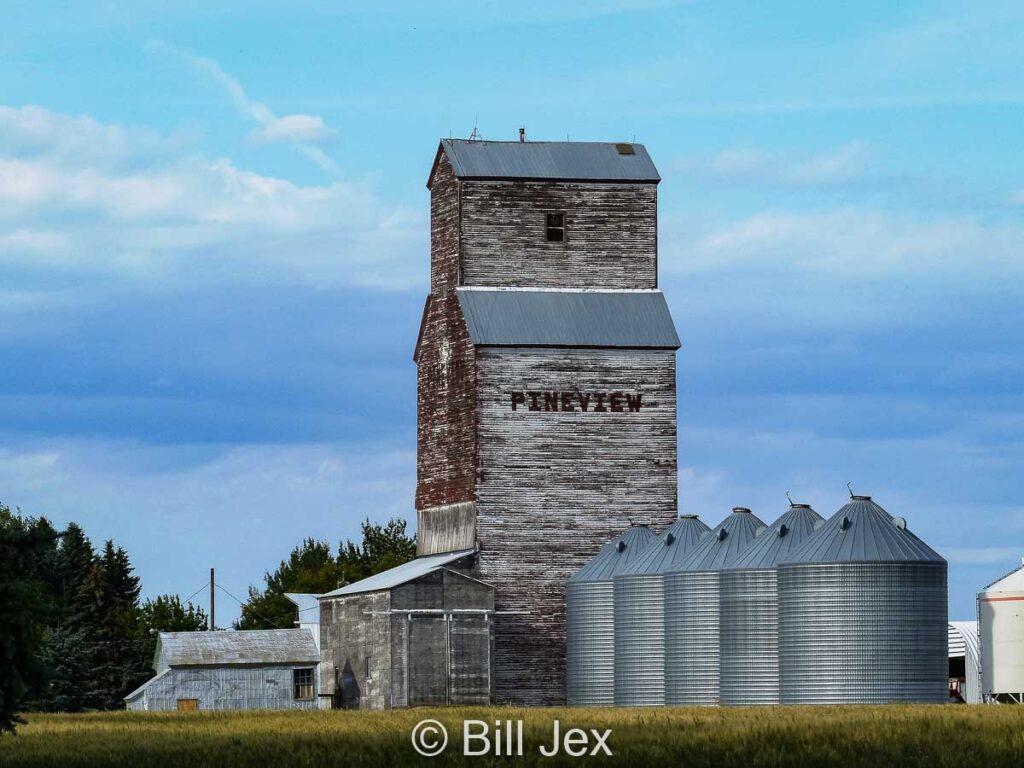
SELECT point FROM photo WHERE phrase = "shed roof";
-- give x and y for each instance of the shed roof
(674, 544)
(723, 543)
(616, 555)
(863, 532)
(252, 646)
(138, 691)
(777, 540)
(400, 574)
(548, 160)
(626, 319)
(308, 605)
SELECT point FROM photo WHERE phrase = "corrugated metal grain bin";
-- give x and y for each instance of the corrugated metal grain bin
(640, 615)
(590, 619)
(862, 613)
(691, 611)
(749, 610)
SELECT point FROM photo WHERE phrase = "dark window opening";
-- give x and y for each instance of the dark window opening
(366, 667)
(303, 680)
(556, 227)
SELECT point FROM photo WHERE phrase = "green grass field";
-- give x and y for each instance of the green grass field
(875, 737)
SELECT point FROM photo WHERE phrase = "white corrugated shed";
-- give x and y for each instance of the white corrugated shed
(963, 642)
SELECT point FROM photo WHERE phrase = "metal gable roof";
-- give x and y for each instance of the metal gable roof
(675, 543)
(727, 539)
(780, 538)
(400, 574)
(862, 532)
(252, 646)
(564, 160)
(623, 319)
(616, 555)
(1010, 582)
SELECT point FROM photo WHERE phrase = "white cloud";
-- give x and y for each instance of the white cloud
(302, 131)
(138, 210)
(851, 242)
(297, 128)
(844, 165)
(177, 509)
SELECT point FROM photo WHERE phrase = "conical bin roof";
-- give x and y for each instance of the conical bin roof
(724, 542)
(615, 556)
(778, 540)
(675, 543)
(862, 532)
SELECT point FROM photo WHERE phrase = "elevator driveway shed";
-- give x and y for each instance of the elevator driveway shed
(419, 634)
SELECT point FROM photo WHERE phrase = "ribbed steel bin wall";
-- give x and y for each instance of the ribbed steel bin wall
(590, 644)
(691, 637)
(862, 633)
(639, 640)
(749, 637)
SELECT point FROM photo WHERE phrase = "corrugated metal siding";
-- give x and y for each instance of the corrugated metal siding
(590, 620)
(219, 688)
(624, 319)
(593, 161)
(692, 612)
(963, 641)
(867, 633)
(639, 605)
(749, 628)
(748, 608)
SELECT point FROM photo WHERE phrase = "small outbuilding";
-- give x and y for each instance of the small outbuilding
(251, 669)
(415, 635)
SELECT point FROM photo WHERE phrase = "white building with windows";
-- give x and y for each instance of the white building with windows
(252, 669)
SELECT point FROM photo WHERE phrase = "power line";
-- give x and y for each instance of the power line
(243, 605)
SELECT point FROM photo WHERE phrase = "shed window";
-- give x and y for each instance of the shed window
(303, 679)
(556, 227)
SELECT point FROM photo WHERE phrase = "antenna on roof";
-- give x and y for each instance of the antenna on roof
(790, 500)
(849, 487)
(522, 134)
(475, 135)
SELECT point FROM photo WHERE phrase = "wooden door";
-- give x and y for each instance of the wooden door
(188, 705)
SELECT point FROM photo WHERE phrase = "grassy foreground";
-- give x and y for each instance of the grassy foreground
(877, 737)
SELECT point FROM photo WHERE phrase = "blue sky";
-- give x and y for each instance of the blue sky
(214, 251)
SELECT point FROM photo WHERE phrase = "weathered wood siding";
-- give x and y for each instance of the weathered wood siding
(352, 629)
(442, 659)
(554, 485)
(226, 687)
(447, 528)
(611, 235)
(446, 406)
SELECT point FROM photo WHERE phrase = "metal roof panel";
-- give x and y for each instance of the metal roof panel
(400, 574)
(623, 319)
(251, 646)
(562, 160)
(674, 544)
(778, 539)
(616, 555)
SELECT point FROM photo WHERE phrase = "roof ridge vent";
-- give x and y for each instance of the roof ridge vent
(900, 523)
(722, 533)
(622, 546)
(844, 524)
(783, 530)
(669, 538)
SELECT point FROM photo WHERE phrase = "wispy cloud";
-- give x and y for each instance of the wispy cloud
(302, 131)
(137, 208)
(844, 165)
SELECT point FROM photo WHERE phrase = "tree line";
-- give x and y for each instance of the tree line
(75, 635)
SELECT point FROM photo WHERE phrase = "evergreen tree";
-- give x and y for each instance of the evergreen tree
(24, 607)
(167, 614)
(106, 613)
(311, 568)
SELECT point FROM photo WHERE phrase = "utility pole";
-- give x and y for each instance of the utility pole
(213, 622)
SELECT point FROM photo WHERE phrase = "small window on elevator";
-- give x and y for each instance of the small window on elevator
(556, 227)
